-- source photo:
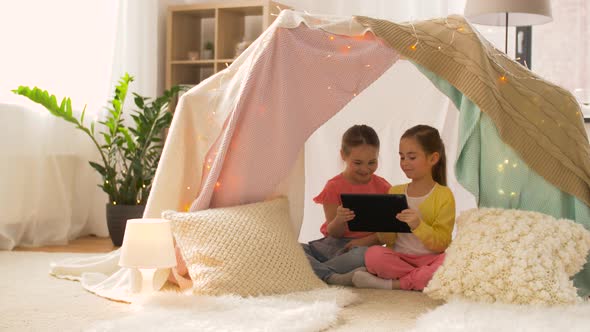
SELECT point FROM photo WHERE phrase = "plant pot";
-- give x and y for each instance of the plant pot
(207, 54)
(117, 216)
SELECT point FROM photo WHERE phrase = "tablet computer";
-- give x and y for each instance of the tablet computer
(376, 212)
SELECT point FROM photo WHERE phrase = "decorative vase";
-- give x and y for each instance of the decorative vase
(117, 216)
(207, 54)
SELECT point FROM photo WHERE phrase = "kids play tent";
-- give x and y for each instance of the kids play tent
(239, 136)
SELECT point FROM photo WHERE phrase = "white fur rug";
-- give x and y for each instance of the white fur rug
(478, 317)
(309, 311)
(300, 312)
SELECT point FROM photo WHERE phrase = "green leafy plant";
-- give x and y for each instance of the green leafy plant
(208, 46)
(129, 155)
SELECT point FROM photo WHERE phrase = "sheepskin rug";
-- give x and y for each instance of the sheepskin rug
(304, 311)
(469, 316)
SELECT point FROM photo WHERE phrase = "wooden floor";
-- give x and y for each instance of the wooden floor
(87, 244)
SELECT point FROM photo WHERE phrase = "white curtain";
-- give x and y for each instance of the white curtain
(136, 47)
(49, 193)
(77, 49)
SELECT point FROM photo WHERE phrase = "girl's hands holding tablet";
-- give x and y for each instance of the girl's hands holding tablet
(410, 217)
(343, 215)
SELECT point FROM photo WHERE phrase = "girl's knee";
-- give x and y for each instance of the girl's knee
(376, 251)
(374, 257)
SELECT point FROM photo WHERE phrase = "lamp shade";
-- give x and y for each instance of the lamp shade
(521, 12)
(147, 244)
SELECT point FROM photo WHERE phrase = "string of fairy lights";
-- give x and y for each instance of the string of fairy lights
(506, 73)
(506, 165)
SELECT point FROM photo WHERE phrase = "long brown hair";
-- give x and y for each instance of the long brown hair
(359, 135)
(430, 141)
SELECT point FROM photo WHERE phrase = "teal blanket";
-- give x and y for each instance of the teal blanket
(497, 177)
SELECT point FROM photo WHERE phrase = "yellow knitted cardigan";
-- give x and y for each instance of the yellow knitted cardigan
(539, 120)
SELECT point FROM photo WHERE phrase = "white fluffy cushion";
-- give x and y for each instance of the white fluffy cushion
(512, 256)
(245, 250)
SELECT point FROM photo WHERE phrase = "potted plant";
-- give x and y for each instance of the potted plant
(129, 155)
(208, 50)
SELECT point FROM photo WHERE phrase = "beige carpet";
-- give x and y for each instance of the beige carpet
(32, 300)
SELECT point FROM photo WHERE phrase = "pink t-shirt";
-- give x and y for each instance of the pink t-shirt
(339, 185)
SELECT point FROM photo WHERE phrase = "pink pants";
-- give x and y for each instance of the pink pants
(413, 271)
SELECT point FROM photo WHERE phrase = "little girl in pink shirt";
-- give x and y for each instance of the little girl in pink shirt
(341, 252)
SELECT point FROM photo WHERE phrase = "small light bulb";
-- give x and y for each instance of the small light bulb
(114, 203)
(188, 188)
(331, 37)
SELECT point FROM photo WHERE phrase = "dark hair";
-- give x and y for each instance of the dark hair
(359, 135)
(430, 141)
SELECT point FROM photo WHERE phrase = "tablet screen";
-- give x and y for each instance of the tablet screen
(376, 212)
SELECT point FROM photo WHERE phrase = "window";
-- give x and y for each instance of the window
(64, 46)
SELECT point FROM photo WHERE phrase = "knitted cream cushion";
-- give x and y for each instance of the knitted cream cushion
(245, 250)
(512, 256)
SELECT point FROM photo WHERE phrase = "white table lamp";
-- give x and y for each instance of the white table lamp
(508, 13)
(148, 250)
